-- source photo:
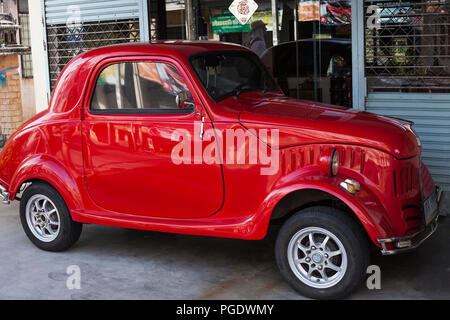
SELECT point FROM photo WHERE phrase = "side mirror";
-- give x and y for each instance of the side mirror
(184, 100)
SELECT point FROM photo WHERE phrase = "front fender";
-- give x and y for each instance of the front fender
(365, 205)
(46, 168)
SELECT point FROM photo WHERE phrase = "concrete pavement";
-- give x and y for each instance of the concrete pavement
(131, 264)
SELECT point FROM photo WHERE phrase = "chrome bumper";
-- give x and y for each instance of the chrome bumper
(408, 243)
(4, 195)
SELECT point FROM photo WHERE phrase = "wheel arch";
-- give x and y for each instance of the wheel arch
(299, 196)
(43, 168)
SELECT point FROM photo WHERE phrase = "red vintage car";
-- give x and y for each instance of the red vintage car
(119, 147)
(341, 11)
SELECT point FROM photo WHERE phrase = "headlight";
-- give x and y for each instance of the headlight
(329, 162)
(334, 162)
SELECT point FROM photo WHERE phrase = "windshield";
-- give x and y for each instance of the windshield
(225, 74)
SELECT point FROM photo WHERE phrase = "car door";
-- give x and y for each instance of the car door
(130, 129)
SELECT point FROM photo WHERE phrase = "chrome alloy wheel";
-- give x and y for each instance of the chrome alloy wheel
(42, 218)
(317, 257)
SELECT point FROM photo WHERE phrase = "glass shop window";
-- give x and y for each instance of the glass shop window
(313, 60)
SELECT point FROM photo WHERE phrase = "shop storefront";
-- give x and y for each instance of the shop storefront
(307, 46)
(387, 57)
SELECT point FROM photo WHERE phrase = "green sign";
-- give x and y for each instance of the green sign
(226, 22)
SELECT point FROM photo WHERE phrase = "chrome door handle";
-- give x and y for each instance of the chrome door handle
(202, 128)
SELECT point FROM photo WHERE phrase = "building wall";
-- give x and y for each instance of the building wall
(11, 7)
(10, 96)
(38, 55)
(17, 102)
(27, 95)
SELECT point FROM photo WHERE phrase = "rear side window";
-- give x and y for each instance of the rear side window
(139, 87)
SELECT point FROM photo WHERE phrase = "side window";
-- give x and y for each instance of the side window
(140, 87)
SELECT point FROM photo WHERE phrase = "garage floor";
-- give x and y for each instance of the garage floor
(130, 264)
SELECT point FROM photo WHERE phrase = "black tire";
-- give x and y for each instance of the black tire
(346, 230)
(69, 230)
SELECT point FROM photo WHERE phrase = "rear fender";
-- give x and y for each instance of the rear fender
(46, 168)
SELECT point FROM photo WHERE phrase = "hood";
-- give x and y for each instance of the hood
(303, 122)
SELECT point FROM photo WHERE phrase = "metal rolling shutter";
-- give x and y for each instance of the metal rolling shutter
(431, 114)
(75, 26)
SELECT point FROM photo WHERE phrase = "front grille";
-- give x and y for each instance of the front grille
(405, 180)
(413, 218)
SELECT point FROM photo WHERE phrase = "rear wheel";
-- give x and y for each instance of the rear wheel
(46, 219)
(322, 253)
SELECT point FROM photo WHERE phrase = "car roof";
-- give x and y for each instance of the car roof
(74, 76)
(176, 47)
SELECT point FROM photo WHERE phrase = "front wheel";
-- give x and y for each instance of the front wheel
(322, 253)
(46, 219)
